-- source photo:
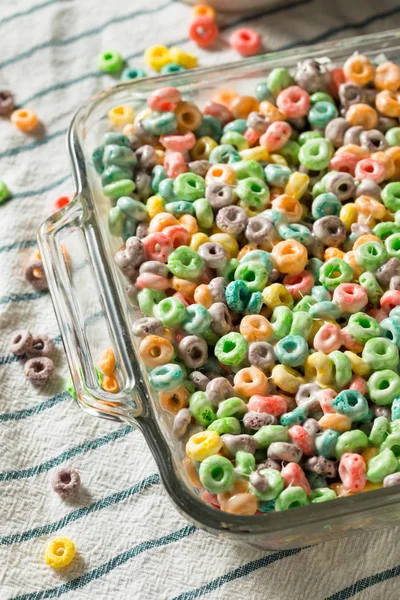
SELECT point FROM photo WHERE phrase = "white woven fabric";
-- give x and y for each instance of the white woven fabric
(131, 542)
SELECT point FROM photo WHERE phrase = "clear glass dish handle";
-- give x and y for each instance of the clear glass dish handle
(89, 311)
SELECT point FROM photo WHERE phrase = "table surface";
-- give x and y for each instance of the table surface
(130, 540)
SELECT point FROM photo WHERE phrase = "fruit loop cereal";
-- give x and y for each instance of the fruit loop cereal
(261, 243)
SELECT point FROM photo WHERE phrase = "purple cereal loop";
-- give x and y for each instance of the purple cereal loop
(132, 292)
(369, 188)
(181, 423)
(395, 283)
(258, 229)
(147, 157)
(66, 482)
(142, 230)
(39, 283)
(269, 464)
(39, 370)
(257, 122)
(335, 131)
(146, 326)
(124, 263)
(390, 480)
(322, 466)
(219, 389)
(199, 380)
(261, 355)
(135, 251)
(259, 482)
(387, 271)
(231, 219)
(221, 322)
(199, 167)
(373, 140)
(217, 288)
(284, 451)
(6, 103)
(20, 342)
(41, 345)
(143, 185)
(351, 93)
(255, 420)
(213, 254)
(330, 231)
(219, 195)
(154, 266)
(193, 350)
(234, 443)
(353, 135)
(312, 75)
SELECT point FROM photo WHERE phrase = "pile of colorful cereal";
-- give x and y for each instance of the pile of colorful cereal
(262, 245)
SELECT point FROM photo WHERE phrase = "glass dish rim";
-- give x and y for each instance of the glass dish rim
(256, 526)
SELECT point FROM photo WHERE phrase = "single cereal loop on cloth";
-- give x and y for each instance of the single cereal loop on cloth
(34, 273)
(20, 342)
(203, 31)
(6, 103)
(246, 41)
(40, 345)
(66, 482)
(39, 370)
(60, 552)
(25, 119)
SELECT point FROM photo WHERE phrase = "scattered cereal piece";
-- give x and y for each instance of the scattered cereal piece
(25, 119)
(39, 370)
(66, 482)
(34, 273)
(203, 31)
(60, 552)
(110, 61)
(246, 41)
(21, 342)
(6, 103)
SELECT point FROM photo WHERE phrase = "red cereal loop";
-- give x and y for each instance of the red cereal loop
(203, 31)
(246, 41)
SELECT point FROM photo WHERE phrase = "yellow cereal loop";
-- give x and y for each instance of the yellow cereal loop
(297, 185)
(257, 153)
(155, 205)
(157, 57)
(358, 364)
(287, 379)
(348, 215)
(198, 239)
(277, 295)
(203, 444)
(184, 59)
(335, 421)
(121, 115)
(60, 552)
(226, 241)
(277, 159)
(318, 367)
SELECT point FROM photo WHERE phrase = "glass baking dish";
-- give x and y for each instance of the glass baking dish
(94, 312)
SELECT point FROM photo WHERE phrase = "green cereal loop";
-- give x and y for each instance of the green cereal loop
(277, 174)
(189, 187)
(291, 497)
(171, 311)
(292, 350)
(237, 295)
(321, 97)
(133, 73)
(133, 208)
(238, 125)
(267, 434)
(260, 256)
(395, 409)
(275, 485)
(210, 127)
(248, 168)
(148, 300)
(71, 388)
(392, 244)
(185, 263)
(384, 387)
(351, 441)
(290, 152)
(320, 293)
(158, 175)
(281, 321)
(228, 270)
(255, 275)
(325, 205)
(392, 136)
(308, 135)
(352, 404)
(97, 159)
(179, 208)
(255, 304)
(278, 80)
(295, 231)
(110, 61)
(325, 443)
(253, 192)
(226, 425)
(325, 310)
(116, 221)
(263, 93)
(392, 442)
(304, 304)
(315, 154)
(368, 281)
(313, 266)
(115, 173)
(210, 337)
(391, 196)
(232, 407)
(245, 463)
(217, 474)
(371, 255)
(383, 464)
(379, 431)
(334, 272)
(123, 187)
(129, 229)
(201, 408)
(322, 495)
(341, 368)
(301, 324)
(224, 154)
(166, 377)
(119, 155)
(231, 349)
(160, 123)
(318, 188)
(362, 327)
(321, 113)
(385, 229)
(380, 353)
(235, 139)
(197, 319)
(115, 138)
(204, 213)
(297, 416)
(166, 190)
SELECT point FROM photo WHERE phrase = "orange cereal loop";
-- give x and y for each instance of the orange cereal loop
(107, 362)
(243, 251)
(386, 161)
(359, 70)
(241, 504)
(225, 97)
(203, 10)
(332, 252)
(289, 206)
(363, 115)
(256, 328)
(192, 472)
(290, 257)
(188, 115)
(162, 220)
(242, 106)
(221, 173)
(394, 153)
(250, 381)
(354, 149)
(368, 237)
(202, 295)
(187, 288)
(350, 258)
(155, 351)
(189, 223)
(370, 206)
(388, 103)
(25, 119)
(335, 421)
(270, 112)
(110, 384)
(173, 401)
(387, 77)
